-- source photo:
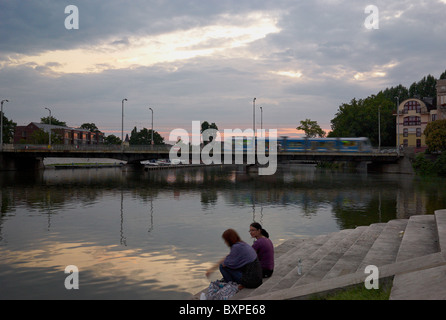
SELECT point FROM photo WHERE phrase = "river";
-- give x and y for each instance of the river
(153, 234)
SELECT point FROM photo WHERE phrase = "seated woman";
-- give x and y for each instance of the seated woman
(241, 264)
(264, 248)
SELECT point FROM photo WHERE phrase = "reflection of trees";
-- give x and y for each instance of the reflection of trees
(354, 199)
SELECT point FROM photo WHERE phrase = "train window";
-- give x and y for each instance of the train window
(348, 144)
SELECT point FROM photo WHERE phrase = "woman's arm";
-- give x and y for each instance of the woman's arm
(214, 267)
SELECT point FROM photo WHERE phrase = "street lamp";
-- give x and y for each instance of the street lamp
(1, 131)
(398, 125)
(254, 120)
(152, 127)
(122, 124)
(49, 140)
(261, 118)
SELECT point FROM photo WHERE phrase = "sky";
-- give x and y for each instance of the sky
(197, 60)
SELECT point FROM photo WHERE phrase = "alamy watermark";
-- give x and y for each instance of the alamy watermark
(237, 146)
(372, 20)
(72, 280)
(372, 280)
(72, 20)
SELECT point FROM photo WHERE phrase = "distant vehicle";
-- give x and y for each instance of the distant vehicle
(284, 144)
(325, 145)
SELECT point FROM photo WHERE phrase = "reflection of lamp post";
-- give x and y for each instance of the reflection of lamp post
(152, 127)
(122, 124)
(379, 128)
(1, 131)
(49, 139)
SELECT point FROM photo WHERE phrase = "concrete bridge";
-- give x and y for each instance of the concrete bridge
(19, 157)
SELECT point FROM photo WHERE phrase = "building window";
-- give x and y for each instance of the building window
(434, 117)
(418, 132)
(405, 132)
(418, 143)
(412, 121)
(412, 105)
(406, 143)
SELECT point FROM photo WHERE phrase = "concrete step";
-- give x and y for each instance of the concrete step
(420, 238)
(424, 234)
(385, 248)
(440, 219)
(351, 260)
(324, 264)
(287, 262)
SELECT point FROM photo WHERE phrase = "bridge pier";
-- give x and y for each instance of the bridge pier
(9, 163)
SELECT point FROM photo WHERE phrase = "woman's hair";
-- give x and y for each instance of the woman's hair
(257, 226)
(231, 237)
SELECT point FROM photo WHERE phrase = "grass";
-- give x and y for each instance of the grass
(358, 292)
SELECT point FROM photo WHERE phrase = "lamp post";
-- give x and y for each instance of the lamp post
(1, 131)
(261, 118)
(398, 125)
(49, 139)
(122, 124)
(152, 127)
(254, 123)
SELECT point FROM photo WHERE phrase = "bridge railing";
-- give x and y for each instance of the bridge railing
(98, 147)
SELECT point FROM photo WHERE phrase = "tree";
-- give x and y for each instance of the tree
(205, 126)
(8, 129)
(359, 118)
(41, 137)
(54, 121)
(435, 133)
(311, 129)
(90, 126)
(112, 139)
(144, 137)
(426, 87)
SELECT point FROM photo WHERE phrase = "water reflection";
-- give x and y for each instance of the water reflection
(153, 234)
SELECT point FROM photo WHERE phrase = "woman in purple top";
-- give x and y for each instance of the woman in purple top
(264, 248)
(241, 265)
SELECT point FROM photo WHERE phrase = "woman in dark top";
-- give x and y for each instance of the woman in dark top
(241, 264)
(263, 247)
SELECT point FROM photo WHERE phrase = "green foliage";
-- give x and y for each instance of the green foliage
(112, 139)
(144, 137)
(42, 137)
(426, 166)
(311, 129)
(90, 126)
(359, 118)
(54, 121)
(435, 133)
(8, 129)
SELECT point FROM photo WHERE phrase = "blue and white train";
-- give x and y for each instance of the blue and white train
(285, 144)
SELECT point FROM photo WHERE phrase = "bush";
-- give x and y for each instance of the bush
(425, 166)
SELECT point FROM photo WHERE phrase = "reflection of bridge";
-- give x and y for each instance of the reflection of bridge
(29, 156)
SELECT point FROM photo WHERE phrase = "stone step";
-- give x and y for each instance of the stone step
(351, 260)
(288, 261)
(420, 238)
(440, 219)
(319, 269)
(385, 248)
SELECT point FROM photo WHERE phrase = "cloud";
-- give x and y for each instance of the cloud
(207, 60)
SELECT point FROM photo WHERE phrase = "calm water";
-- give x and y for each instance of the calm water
(152, 235)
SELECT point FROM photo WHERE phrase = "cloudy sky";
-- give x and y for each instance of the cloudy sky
(205, 60)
